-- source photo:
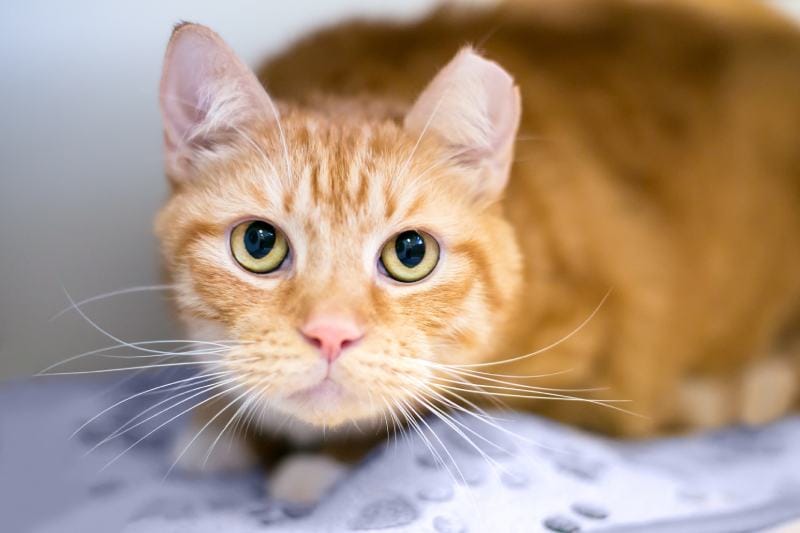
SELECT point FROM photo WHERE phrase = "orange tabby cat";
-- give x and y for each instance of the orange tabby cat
(410, 218)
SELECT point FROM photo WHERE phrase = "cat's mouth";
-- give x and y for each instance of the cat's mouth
(327, 390)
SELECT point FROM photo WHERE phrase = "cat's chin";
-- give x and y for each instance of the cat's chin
(322, 393)
(326, 403)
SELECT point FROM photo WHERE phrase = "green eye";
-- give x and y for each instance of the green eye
(410, 256)
(258, 246)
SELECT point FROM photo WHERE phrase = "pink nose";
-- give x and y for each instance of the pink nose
(331, 335)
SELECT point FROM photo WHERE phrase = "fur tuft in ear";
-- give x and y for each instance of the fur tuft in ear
(474, 106)
(206, 94)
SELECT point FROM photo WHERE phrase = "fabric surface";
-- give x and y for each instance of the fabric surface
(534, 476)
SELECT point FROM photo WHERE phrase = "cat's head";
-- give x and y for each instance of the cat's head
(348, 257)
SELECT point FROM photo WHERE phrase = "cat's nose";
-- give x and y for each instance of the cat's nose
(331, 335)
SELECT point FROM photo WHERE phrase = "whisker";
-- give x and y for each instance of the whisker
(109, 370)
(132, 397)
(205, 426)
(546, 348)
(411, 417)
(542, 396)
(492, 374)
(437, 456)
(195, 392)
(104, 332)
(453, 424)
(242, 408)
(123, 452)
(484, 418)
(202, 385)
(100, 351)
(118, 292)
(507, 385)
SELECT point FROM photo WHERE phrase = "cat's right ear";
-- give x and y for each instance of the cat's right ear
(474, 106)
(207, 94)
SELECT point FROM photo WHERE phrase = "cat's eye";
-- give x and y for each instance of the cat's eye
(259, 246)
(410, 256)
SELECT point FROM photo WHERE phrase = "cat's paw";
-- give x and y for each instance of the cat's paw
(705, 403)
(769, 388)
(193, 452)
(304, 478)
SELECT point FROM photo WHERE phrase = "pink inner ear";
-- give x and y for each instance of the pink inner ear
(474, 106)
(192, 66)
(503, 105)
(205, 90)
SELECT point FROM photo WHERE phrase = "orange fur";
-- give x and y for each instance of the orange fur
(658, 156)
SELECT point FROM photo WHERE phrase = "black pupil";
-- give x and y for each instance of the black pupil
(410, 248)
(259, 239)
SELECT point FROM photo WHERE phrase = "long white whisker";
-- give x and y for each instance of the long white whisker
(444, 447)
(561, 398)
(485, 419)
(106, 333)
(105, 295)
(179, 351)
(123, 452)
(491, 374)
(195, 392)
(202, 385)
(505, 385)
(134, 396)
(202, 429)
(452, 422)
(242, 408)
(108, 370)
(546, 348)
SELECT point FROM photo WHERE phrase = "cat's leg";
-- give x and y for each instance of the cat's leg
(760, 392)
(769, 389)
(296, 478)
(304, 478)
(705, 402)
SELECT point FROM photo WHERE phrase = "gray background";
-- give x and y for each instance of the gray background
(80, 156)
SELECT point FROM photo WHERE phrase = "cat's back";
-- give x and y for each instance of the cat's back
(604, 51)
(684, 108)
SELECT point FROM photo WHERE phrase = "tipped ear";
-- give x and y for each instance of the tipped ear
(474, 105)
(206, 94)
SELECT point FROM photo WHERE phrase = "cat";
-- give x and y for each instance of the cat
(516, 202)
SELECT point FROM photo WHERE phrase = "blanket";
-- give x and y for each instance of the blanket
(509, 473)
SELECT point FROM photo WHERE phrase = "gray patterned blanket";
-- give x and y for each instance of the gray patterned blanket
(537, 476)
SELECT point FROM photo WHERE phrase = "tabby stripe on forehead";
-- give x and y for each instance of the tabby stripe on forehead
(288, 202)
(313, 176)
(362, 194)
(390, 201)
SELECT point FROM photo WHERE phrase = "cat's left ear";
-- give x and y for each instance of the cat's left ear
(474, 106)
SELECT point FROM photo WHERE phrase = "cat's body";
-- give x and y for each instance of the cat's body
(658, 158)
(658, 155)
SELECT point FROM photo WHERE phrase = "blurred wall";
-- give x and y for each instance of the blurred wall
(80, 156)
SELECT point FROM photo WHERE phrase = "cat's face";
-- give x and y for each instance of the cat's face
(347, 257)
